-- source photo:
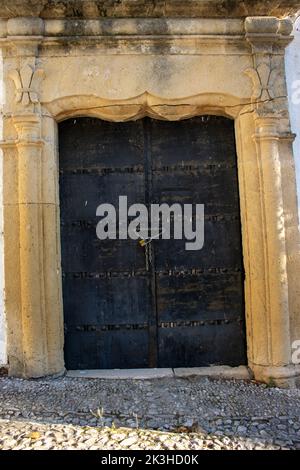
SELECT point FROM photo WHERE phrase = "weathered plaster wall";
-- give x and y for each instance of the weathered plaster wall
(293, 81)
(2, 313)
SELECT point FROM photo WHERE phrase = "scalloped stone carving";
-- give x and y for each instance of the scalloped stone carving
(263, 78)
(27, 82)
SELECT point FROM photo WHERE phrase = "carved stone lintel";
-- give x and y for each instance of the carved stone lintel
(27, 82)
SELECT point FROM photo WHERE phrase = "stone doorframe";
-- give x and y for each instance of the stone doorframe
(166, 69)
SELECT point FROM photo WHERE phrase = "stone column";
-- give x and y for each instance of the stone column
(29, 146)
(271, 357)
(26, 214)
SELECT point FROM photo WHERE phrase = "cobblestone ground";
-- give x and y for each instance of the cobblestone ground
(171, 413)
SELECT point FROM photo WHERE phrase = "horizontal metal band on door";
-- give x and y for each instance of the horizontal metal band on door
(143, 326)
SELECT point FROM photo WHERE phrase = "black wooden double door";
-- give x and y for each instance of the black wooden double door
(128, 307)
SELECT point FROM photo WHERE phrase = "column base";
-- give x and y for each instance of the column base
(18, 369)
(277, 376)
(22, 375)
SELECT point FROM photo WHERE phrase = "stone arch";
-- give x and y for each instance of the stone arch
(143, 105)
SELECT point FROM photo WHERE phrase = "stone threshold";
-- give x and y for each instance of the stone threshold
(240, 373)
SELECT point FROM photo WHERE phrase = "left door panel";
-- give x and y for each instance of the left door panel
(106, 288)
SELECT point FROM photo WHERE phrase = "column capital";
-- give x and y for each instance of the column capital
(270, 127)
(264, 32)
(266, 126)
(28, 126)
